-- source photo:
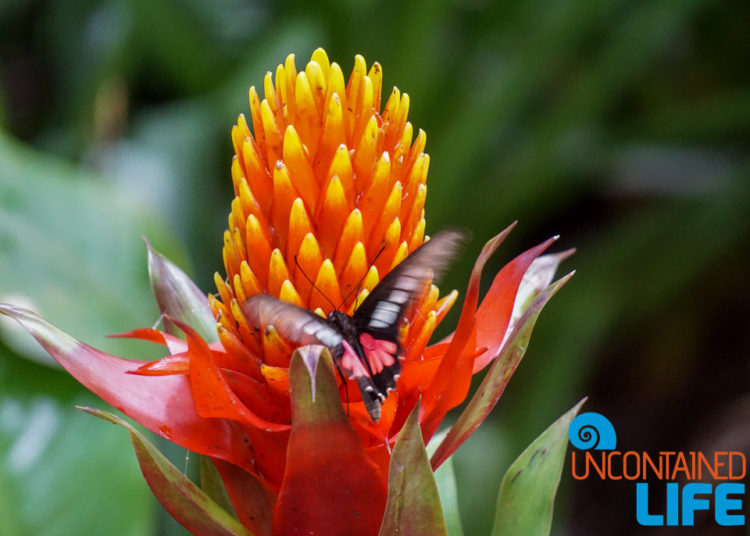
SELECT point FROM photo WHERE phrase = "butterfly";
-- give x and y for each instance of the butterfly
(364, 346)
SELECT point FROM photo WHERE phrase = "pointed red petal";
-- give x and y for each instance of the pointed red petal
(493, 315)
(214, 397)
(330, 486)
(250, 496)
(163, 404)
(497, 378)
(451, 382)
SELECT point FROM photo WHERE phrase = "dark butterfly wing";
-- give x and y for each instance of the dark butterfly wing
(378, 317)
(386, 304)
(304, 327)
(292, 322)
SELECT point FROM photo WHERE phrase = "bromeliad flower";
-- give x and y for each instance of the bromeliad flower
(329, 199)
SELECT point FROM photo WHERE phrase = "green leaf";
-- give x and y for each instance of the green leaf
(445, 478)
(178, 494)
(527, 493)
(497, 378)
(212, 484)
(413, 501)
(179, 297)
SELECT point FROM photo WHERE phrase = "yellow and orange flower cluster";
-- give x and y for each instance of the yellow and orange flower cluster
(327, 190)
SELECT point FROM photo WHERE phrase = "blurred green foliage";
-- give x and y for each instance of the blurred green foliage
(623, 126)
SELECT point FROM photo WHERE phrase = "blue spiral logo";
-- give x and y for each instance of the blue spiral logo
(592, 431)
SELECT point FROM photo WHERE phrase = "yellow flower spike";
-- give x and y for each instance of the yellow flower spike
(417, 147)
(284, 195)
(444, 305)
(255, 114)
(328, 287)
(426, 305)
(269, 93)
(354, 271)
(299, 227)
(246, 332)
(250, 283)
(275, 350)
(244, 351)
(277, 272)
(359, 299)
(331, 216)
(333, 134)
(389, 244)
(318, 84)
(323, 176)
(376, 194)
(401, 253)
(309, 259)
(231, 259)
(352, 233)
(277, 378)
(239, 290)
(371, 280)
(272, 130)
(416, 176)
(354, 90)
(376, 75)
(412, 219)
(308, 117)
(298, 164)
(239, 135)
(256, 173)
(390, 210)
(259, 248)
(366, 154)
(291, 82)
(417, 236)
(341, 167)
(336, 85)
(218, 308)
(320, 57)
(239, 247)
(289, 294)
(249, 205)
(364, 112)
(226, 321)
(420, 336)
(401, 151)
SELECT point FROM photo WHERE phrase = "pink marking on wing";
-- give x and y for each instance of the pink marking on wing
(351, 364)
(379, 352)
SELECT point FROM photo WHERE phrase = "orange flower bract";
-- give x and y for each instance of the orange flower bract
(327, 190)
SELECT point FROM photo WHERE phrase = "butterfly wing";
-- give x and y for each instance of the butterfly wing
(386, 304)
(378, 317)
(338, 334)
(293, 323)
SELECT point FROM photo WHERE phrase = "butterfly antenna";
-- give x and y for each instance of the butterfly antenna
(359, 285)
(296, 262)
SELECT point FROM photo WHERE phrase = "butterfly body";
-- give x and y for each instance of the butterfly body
(365, 345)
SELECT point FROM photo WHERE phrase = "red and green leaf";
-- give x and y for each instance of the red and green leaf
(330, 484)
(413, 501)
(185, 501)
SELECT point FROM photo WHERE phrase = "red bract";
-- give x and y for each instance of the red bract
(328, 190)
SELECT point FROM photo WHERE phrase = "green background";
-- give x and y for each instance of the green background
(622, 126)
